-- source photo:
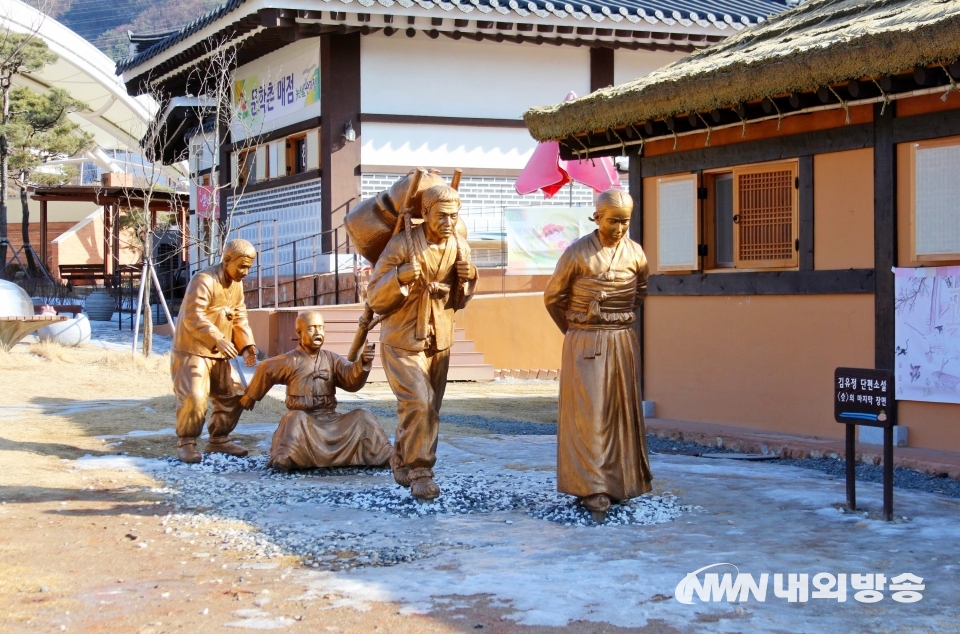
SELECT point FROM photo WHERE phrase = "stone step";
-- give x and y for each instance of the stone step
(481, 372)
(347, 337)
(457, 356)
(466, 363)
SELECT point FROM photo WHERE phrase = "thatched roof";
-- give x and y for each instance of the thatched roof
(819, 43)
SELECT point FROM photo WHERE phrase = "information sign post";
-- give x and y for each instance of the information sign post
(865, 397)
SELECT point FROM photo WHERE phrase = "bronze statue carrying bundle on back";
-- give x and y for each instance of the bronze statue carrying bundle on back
(422, 274)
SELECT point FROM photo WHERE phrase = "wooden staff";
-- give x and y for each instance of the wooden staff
(367, 321)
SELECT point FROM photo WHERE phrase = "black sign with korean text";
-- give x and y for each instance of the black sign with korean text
(863, 397)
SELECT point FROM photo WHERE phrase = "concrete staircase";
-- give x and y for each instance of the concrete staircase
(341, 322)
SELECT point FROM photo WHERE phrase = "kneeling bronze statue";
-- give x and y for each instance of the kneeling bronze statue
(312, 434)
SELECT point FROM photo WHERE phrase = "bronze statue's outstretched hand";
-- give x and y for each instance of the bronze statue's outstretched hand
(246, 402)
(226, 347)
(368, 354)
(250, 356)
(408, 273)
(466, 270)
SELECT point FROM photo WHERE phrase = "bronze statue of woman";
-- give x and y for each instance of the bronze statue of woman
(599, 282)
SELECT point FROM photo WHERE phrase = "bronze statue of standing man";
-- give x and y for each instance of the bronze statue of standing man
(599, 282)
(211, 330)
(418, 282)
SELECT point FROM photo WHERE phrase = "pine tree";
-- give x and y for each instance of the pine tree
(19, 53)
(38, 130)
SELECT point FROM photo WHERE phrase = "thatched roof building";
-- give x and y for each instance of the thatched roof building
(823, 52)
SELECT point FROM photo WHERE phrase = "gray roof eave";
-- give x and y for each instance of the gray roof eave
(716, 17)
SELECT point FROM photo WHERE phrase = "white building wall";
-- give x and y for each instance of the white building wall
(629, 65)
(445, 146)
(446, 78)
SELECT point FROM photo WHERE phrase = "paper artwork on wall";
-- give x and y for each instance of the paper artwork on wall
(927, 359)
(537, 236)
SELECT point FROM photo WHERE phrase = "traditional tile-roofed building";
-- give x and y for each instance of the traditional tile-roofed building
(439, 84)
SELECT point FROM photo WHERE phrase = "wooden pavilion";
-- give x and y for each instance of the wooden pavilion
(114, 199)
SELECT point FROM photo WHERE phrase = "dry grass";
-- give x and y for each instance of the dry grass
(37, 354)
(127, 362)
(50, 350)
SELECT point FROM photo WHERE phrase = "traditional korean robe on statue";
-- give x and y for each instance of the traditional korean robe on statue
(601, 442)
(312, 433)
(417, 335)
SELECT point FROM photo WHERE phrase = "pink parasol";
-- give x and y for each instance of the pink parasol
(548, 172)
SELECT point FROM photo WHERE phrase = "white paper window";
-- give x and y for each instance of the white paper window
(261, 164)
(937, 200)
(313, 150)
(677, 223)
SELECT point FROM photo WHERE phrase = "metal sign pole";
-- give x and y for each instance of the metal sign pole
(851, 467)
(888, 474)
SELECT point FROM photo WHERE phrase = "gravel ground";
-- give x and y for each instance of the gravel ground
(227, 497)
(902, 478)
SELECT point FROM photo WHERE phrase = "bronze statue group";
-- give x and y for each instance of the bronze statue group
(421, 275)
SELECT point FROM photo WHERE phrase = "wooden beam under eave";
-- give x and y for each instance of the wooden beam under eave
(340, 103)
(601, 68)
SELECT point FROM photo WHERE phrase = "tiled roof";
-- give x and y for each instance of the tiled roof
(186, 31)
(626, 14)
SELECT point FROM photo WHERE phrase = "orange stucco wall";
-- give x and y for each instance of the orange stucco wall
(765, 362)
(795, 124)
(843, 210)
(931, 425)
(514, 332)
(762, 362)
(650, 222)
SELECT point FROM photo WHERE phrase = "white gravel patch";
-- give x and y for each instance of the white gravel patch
(245, 491)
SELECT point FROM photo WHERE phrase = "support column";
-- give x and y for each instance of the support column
(339, 104)
(107, 240)
(43, 235)
(884, 232)
(635, 180)
(806, 213)
(601, 68)
(115, 267)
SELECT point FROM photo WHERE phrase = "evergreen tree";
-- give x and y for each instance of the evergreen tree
(38, 130)
(19, 53)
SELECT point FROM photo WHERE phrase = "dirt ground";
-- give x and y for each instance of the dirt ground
(87, 550)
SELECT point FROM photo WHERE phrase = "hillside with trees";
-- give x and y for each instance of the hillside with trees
(105, 23)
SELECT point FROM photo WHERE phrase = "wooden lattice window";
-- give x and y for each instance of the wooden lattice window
(765, 216)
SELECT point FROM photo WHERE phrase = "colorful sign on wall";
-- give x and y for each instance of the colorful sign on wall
(927, 306)
(537, 236)
(284, 91)
(206, 201)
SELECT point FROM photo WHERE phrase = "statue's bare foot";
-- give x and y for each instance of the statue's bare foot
(223, 444)
(425, 489)
(598, 505)
(400, 473)
(187, 451)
